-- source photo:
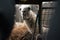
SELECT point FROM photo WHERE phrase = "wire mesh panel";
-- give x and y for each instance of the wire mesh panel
(47, 12)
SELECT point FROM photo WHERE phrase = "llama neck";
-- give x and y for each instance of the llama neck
(25, 23)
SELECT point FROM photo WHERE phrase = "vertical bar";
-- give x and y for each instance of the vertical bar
(39, 17)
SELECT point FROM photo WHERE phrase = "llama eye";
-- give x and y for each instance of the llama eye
(20, 8)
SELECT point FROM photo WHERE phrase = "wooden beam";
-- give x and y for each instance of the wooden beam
(30, 1)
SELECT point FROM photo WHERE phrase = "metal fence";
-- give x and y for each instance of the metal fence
(48, 9)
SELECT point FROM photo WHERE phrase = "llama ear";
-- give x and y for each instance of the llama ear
(28, 8)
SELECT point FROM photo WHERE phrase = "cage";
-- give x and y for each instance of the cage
(45, 10)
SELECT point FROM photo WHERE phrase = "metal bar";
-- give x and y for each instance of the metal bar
(40, 16)
(48, 7)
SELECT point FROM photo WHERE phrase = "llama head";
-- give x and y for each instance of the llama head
(26, 14)
(24, 9)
